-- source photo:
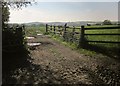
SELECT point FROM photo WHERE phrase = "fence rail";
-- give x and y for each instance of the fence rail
(103, 34)
(69, 33)
(96, 28)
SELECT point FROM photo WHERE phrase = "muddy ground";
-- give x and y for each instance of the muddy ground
(54, 63)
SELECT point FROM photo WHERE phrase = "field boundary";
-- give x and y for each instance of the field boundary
(69, 33)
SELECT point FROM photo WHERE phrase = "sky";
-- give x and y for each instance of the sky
(66, 12)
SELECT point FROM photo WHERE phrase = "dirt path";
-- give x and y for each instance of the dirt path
(55, 63)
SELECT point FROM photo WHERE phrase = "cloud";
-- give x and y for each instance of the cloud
(28, 15)
(45, 13)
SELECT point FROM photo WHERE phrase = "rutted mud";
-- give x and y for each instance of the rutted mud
(54, 63)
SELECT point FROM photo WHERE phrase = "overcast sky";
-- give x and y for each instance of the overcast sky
(66, 12)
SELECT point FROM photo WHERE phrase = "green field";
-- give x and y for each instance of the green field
(34, 30)
(114, 38)
(104, 37)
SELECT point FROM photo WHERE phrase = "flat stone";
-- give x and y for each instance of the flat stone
(39, 34)
(33, 44)
(30, 37)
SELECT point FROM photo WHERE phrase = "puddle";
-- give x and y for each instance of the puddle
(33, 44)
(39, 34)
(30, 37)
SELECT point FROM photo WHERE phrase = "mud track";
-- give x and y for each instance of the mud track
(55, 63)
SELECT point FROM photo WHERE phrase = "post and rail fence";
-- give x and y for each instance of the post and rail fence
(69, 33)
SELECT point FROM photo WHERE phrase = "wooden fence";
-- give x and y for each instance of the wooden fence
(70, 34)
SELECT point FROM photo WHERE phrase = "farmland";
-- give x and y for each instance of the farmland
(55, 43)
(56, 61)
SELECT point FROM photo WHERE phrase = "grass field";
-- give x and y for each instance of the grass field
(104, 37)
(98, 37)
(34, 30)
(114, 38)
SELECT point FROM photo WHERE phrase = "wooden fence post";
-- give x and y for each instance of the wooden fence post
(54, 29)
(46, 27)
(51, 28)
(73, 32)
(64, 33)
(59, 29)
(82, 39)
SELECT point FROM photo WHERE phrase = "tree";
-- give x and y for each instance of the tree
(10, 39)
(14, 4)
(107, 22)
(5, 14)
